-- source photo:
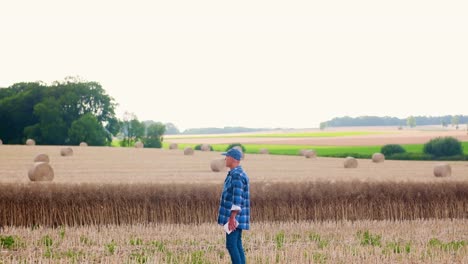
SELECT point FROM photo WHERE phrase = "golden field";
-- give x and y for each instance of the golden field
(126, 205)
(130, 165)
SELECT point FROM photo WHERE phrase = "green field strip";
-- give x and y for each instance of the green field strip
(321, 150)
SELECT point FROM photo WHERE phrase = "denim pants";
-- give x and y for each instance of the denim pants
(234, 246)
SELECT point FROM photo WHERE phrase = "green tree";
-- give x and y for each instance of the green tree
(51, 129)
(154, 135)
(46, 113)
(171, 129)
(443, 146)
(132, 129)
(411, 121)
(16, 110)
(87, 129)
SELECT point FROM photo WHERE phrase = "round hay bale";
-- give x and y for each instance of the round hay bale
(218, 165)
(442, 170)
(42, 158)
(310, 154)
(350, 162)
(173, 146)
(41, 171)
(205, 147)
(83, 144)
(30, 142)
(188, 151)
(264, 151)
(139, 144)
(239, 149)
(65, 152)
(378, 157)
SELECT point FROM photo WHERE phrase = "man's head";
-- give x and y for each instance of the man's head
(233, 157)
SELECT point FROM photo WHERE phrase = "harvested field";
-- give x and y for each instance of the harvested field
(127, 185)
(114, 205)
(129, 165)
(385, 136)
(421, 241)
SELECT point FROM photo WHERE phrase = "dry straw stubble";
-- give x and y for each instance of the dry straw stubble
(91, 204)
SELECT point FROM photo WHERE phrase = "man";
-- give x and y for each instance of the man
(234, 208)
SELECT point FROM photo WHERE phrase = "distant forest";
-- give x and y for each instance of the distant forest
(394, 121)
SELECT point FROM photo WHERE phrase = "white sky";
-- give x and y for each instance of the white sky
(247, 63)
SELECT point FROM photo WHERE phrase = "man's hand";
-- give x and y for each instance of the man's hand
(232, 222)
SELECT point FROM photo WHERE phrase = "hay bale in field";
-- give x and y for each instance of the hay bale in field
(205, 147)
(442, 170)
(139, 144)
(42, 158)
(1, 142)
(264, 151)
(218, 165)
(378, 157)
(173, 146)
(239, 149)
(350, 162)
(83, 144)
(30, 142)
(188, 151)
(41, 171)
(310, 154)
(65, 152)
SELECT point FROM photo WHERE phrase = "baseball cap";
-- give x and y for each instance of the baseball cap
(234, 153)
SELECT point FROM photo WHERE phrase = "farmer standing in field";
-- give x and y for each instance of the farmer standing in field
(234, 208)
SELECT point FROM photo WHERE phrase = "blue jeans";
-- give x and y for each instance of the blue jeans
(234, 246)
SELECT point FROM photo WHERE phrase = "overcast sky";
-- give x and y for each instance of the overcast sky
(247, 63)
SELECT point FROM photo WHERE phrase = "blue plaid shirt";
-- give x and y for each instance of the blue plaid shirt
(235, 193)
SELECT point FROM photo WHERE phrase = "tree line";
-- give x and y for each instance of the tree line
(411, 121)
(69, 112)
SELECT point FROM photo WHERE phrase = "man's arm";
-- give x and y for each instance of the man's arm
(237, 199)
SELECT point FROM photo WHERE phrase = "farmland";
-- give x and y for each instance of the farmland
(128, 205)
